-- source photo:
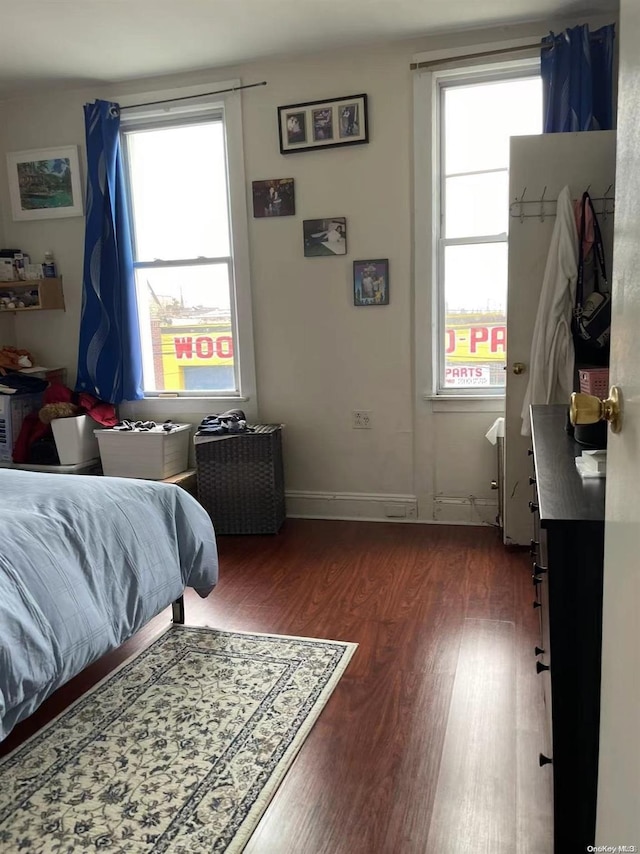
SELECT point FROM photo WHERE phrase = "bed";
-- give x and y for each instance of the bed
(84, 563)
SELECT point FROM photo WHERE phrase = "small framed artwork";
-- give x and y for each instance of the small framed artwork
(371, 282)
(325, 236)
(323, 124)
(275, 197)
(44, 183)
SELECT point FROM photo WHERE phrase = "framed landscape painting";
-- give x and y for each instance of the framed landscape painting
(44, 183)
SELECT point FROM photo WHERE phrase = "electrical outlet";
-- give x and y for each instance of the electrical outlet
(361, 419)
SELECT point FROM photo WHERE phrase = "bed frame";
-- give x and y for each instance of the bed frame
(177, 615)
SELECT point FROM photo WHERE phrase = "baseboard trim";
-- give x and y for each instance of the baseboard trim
(367, 507)
(465, 511)
(377, 507)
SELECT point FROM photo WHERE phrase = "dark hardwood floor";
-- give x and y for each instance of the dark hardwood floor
(430, 741)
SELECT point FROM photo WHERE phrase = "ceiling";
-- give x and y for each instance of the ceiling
(47, 43)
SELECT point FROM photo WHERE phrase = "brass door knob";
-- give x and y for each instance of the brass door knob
(587, 409)
(519, 368)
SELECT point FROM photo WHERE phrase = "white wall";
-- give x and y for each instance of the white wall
(7, 330)
(50, 121)
(318, 357)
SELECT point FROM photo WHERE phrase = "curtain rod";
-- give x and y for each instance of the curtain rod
(430, 63)
(188, 97)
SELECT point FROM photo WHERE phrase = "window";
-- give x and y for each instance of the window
(476, 115)
(187, 277)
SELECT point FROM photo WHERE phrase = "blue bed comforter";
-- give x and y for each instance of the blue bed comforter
(84, 563)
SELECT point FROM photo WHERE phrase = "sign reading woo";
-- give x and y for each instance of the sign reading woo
(203, 347)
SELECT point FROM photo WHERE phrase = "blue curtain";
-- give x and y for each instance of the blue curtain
(109, 357)
(577, 79)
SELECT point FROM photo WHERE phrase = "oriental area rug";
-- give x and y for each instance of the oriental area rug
(179, 750)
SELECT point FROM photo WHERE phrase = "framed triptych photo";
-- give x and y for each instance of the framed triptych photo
(323, 124)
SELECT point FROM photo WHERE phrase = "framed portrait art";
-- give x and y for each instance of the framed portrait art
(275, 197)
(325, 237)
(323, 124)
(44, 183)
(371, 282)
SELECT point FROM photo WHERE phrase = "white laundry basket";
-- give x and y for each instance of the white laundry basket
(149, 454)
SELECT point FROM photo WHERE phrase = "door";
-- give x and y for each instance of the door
(552, 161)
(618, 820)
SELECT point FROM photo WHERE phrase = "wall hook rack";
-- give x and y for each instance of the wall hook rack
(607, 197)
(542, 203)
(544, 207)
(520, 201)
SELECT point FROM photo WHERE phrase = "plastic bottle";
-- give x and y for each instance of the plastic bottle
(49, 266)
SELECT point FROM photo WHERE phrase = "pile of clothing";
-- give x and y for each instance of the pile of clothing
(12, 380)
(35, 442)
(126, 426)
(231, 421)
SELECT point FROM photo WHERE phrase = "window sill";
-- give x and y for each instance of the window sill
(465, 403)
(168, 396)
(161, 408)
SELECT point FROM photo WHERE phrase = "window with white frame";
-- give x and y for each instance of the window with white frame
(477, 112)
(186, 269)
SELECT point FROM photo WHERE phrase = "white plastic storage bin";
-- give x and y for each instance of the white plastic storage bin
(75, 439)
(150, 454)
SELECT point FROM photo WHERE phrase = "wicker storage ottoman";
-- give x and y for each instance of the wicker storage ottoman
(241, 480)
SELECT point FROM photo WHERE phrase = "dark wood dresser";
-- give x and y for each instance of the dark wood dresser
(568, 551)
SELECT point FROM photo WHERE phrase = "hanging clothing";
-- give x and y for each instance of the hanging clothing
(552, 355)
(577, 79)
(110, 353)
(589, 230)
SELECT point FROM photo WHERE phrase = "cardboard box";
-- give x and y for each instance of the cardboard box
(7, 270)
(33, 271)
